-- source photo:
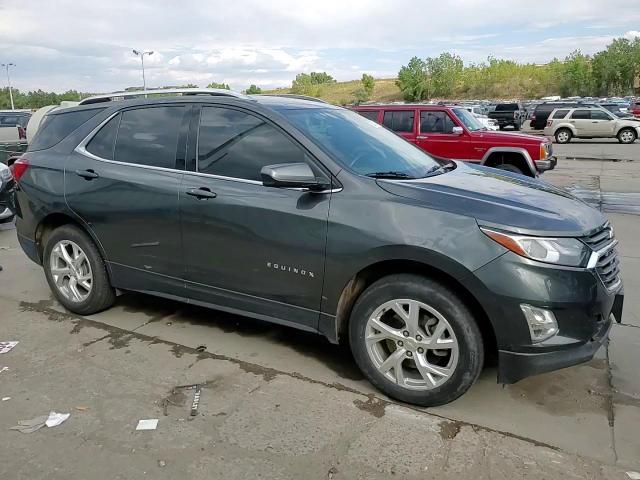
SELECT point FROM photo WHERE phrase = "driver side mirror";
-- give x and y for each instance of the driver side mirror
(457, 131)
(291, 175)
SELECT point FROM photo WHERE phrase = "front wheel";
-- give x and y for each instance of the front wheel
(76, 272)
(627, 135)
(415, 340)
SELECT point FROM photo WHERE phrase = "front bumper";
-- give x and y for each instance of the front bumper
(583, 307)
(544, 165)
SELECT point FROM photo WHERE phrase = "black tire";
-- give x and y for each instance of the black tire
(445, 301)
(509, 168)
(102, 295)
(561, 138)
(633, 136)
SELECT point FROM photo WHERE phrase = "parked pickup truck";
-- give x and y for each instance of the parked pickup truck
(508, 114)
(451, 132)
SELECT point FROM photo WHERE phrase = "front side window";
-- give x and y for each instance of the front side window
(436, 122)
(149, 136)
(600, 115)
(237, 145)
(581, 115)
(359, 145)
(399, 120)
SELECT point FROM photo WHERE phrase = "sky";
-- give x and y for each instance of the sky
(87, 45)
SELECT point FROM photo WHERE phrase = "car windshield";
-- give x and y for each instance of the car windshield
(468, 120)
(362, 145)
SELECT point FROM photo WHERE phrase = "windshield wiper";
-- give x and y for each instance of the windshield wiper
(389, 175)
(444, 167)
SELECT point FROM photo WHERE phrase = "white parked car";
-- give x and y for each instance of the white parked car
(582, 122)
(488, 123)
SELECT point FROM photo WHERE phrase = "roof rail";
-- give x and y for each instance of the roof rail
(109, 97)
(293, 95)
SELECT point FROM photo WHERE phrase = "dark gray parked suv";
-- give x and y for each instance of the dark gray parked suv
(309, 215)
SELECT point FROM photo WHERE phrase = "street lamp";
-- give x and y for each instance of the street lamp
(6, 66)
(141, 54)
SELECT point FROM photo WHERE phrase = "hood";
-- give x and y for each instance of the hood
(502, 200)
(509, 138)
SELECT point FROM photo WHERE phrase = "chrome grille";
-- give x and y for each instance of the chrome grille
(607, 266)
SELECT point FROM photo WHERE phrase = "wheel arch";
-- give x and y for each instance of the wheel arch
(517, 156)
(375, 271)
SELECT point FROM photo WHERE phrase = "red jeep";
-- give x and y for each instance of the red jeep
(635, 107)
(452, 132)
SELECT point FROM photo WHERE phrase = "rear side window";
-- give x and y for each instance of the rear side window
(237, 145)
(56, 127)
(435, 122)
(560, 114)
(104, 142)
(581, 114)
(149, 136)
(399, 121)
(370, 114)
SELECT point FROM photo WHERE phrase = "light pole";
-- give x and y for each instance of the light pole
(7, 65)
(141, 54)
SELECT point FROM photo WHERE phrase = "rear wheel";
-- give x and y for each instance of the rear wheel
(76, 272)
(563, 135)
(415, 340)
(627, 135)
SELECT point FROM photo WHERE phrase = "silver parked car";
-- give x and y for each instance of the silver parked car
(590, 122)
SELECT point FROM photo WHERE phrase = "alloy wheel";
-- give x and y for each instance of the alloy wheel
(411, 344)
(71, 271)
(563, 137)
(627, 136)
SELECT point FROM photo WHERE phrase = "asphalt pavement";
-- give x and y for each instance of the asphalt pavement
(279, 403)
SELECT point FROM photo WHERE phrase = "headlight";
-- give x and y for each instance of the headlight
(543, 152)
(559, 251)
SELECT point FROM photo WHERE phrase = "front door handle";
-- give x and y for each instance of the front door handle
(87, 174)
(422, 137)
(201, 193)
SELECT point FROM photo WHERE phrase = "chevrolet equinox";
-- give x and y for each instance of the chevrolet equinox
(309, 215)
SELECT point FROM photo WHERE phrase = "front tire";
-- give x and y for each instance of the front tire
(627, 135)
(563, 135)
(415, 340)
(76, 272)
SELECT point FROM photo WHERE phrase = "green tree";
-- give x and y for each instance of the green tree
(223, 86)
(368, 83)
(253, 90)
(310, 83)
(577, 77)
(413, 81)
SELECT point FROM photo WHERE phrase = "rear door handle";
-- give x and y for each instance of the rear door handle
(87, 174)
(201, 193)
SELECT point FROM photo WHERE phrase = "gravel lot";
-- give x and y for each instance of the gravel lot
(278, 403)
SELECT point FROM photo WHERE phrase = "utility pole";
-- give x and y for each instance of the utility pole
(6, 66)
(141, 54)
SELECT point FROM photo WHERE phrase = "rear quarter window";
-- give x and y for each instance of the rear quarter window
(370, 114)
(56, 127)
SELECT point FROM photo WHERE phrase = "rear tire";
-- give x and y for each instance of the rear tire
(76, 272)
(563, 135)
(509, 168)
(395, 324)
(627, 135)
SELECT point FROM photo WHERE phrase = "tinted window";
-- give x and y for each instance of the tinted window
(581, 114)
(103, 143)
(9, 120)
(560, 114)
(599, 115)
(149, 136)
(235, 144)
(55, 127)
(399, 121)
(361, 146)
(507, 107)
(370, 114)
(435, 122)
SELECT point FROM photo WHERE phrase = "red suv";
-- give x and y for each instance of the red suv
(635, 107)
(452, 132)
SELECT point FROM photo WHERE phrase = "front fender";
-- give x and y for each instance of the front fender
(519, 150)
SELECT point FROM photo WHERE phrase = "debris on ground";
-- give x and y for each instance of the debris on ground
(4, 399)
(201, 348)
(196, 401)
(162, 463)
(3, 369)
(332, 471)
(82, 408)
(5, 347)
(52, 420)
(147, 424)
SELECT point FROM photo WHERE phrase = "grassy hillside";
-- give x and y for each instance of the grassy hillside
(342, 93)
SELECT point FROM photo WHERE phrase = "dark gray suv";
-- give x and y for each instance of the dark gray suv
(309, 215)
